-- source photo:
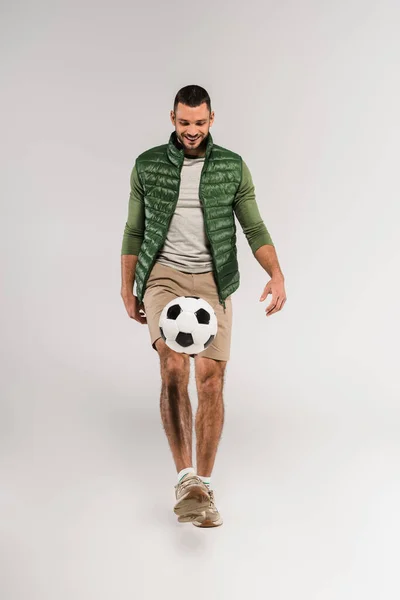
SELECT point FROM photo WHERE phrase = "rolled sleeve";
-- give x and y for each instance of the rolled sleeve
(135, 224)
(248, 214)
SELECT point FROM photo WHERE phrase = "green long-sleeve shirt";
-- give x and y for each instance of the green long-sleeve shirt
(244, 206)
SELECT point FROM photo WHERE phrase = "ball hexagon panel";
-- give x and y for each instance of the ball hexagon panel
(187, 321)
(170, 328)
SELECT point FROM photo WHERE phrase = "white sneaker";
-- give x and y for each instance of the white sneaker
(192, 498)
(211, 517)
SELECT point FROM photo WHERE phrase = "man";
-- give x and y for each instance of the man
(180, 240)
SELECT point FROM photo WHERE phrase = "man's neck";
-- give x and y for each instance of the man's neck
(194, 155)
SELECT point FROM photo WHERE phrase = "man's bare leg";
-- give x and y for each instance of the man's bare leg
(175, 406)
(210, 413)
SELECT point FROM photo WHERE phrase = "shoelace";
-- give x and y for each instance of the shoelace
(189, 481)
(212, 502)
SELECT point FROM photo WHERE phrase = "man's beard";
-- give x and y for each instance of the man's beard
(202, 145)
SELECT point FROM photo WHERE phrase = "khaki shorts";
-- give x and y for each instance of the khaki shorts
(165, 284)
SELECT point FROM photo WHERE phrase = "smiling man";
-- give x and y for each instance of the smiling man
(180, 240)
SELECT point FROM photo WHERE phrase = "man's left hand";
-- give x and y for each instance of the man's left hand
(276, 287)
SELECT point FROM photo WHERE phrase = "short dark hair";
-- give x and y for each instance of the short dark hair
(192, 95)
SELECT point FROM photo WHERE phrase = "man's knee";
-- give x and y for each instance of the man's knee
(209, 372)
(175, 366)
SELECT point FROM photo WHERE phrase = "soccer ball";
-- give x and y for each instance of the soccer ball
(188, 324)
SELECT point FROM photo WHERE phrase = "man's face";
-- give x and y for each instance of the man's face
(192, 124)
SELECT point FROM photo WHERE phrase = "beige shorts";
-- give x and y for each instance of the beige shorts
(165, 284)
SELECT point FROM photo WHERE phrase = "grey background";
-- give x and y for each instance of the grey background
(307, 472)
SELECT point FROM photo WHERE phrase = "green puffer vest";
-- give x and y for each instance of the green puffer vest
(159, 170)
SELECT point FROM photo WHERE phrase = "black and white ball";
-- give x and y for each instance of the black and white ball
(188, 324)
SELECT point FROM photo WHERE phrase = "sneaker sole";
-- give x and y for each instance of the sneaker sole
(192, 504)
(189, 518)
(207, 523)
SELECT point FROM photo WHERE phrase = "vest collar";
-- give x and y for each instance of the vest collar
(175, 151)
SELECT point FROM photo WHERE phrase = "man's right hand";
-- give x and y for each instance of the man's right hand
(134, 308)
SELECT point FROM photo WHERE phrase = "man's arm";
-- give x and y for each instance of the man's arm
(266, 256)
(257, 235)
(133, 234)
(128, 270)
